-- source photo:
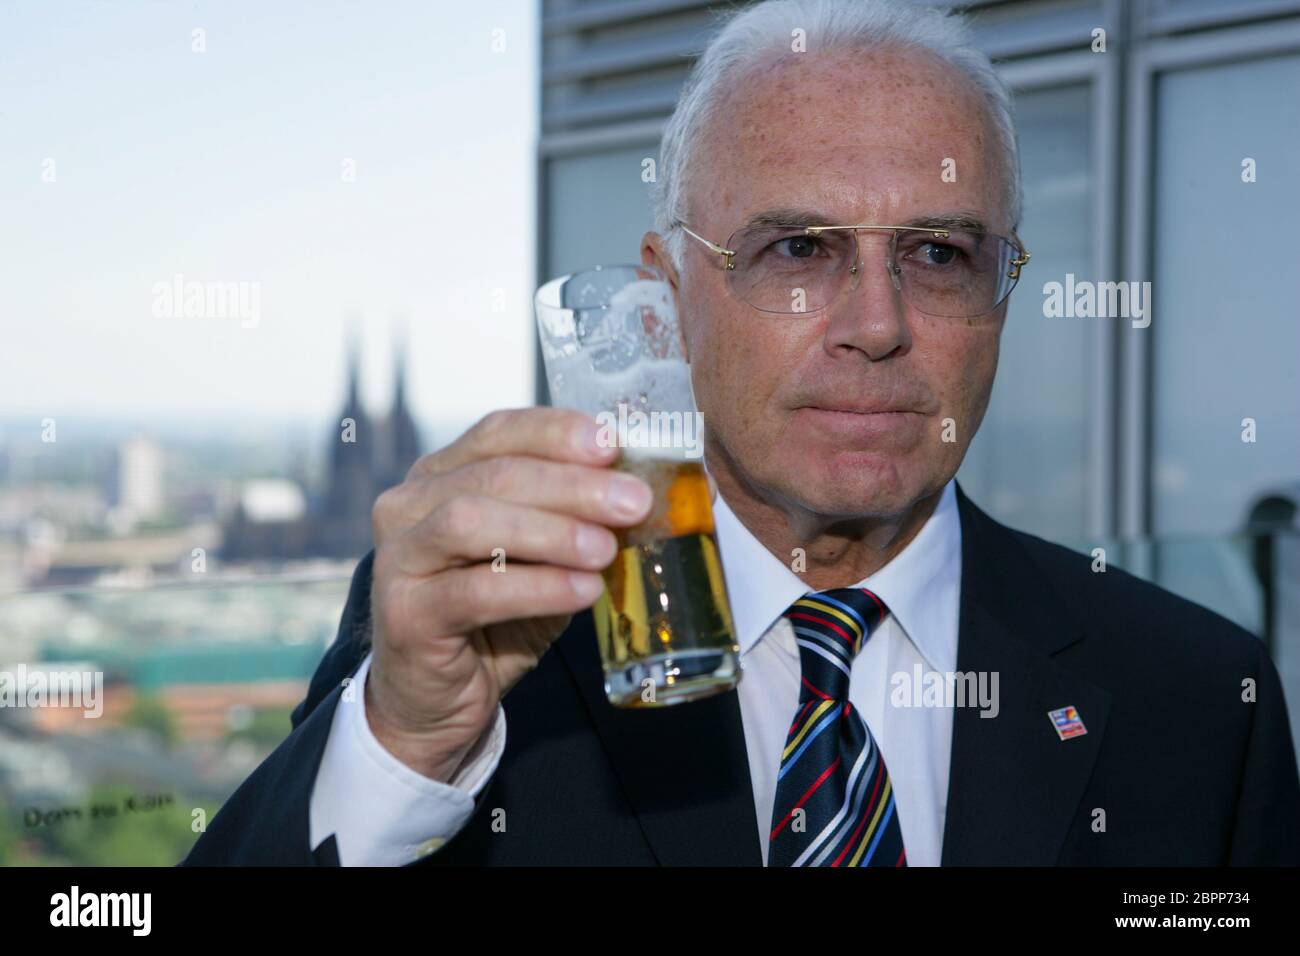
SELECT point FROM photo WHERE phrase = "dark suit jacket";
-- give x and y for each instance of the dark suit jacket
(1186, 772)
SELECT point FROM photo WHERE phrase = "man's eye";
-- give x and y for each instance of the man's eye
(797, 247)
(937, 254)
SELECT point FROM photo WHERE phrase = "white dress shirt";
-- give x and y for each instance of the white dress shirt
(382, 812)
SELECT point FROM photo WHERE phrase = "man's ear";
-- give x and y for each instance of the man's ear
(653, 253)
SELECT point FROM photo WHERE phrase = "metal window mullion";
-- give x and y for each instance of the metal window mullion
(1134, 349)
(1107, 141)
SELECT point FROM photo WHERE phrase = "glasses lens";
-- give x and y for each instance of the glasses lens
(960, 275)
(783, 269)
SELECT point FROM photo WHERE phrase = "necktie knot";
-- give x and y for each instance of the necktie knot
(830, 627)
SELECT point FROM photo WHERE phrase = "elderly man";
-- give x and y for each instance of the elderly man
(1129, 727)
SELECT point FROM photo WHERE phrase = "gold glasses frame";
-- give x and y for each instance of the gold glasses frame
(936, 232)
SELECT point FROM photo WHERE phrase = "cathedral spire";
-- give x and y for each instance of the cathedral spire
(404, 437)
(399, 368)
(353, 348)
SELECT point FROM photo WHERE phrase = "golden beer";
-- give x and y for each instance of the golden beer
(664, 623)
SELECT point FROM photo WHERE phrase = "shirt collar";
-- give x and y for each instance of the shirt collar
(921, 586)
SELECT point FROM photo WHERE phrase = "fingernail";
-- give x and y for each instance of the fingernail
(628, 495)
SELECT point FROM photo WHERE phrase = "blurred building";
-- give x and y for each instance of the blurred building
(139, 481)
(129, 559)
(203, 687)
(365, 455)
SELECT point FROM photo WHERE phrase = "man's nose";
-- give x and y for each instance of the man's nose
(871, 316)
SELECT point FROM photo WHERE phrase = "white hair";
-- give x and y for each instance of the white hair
(762, 34)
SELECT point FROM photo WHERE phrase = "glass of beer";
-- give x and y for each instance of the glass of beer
(613, 349)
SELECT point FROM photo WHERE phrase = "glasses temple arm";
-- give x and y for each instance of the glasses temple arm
(728, 253)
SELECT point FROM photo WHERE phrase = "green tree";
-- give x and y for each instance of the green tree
(150, 713)
(269, 726)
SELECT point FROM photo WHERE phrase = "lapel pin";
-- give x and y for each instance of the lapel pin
(1067, 723)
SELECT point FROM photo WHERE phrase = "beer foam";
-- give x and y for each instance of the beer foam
(650, 293)
(645, 385)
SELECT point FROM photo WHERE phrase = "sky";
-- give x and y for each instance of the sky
(342, 165)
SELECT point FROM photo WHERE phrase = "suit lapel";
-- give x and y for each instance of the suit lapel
(1014, 786)
(684, 769)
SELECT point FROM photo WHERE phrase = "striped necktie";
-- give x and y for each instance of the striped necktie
(831, 768)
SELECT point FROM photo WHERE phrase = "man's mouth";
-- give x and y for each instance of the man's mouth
(860, 424)
(861, 410)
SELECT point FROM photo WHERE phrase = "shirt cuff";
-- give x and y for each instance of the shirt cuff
(381, 812)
